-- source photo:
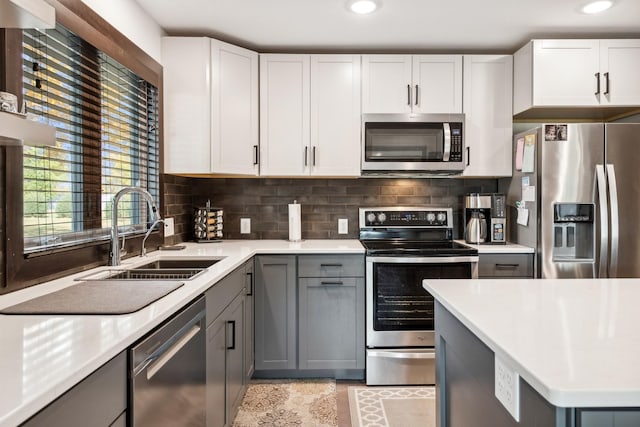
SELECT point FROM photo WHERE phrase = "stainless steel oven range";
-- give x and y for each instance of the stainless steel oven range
(405, 245)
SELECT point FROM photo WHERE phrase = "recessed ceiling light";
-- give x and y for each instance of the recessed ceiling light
(362, 6)
(597, 6)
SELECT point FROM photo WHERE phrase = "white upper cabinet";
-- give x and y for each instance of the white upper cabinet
(576, 73)
(488, 115)
(418, 84)
(187, 104)
(335, 115)
(619, 65)
(437, 84)
(234, 108)
(284, 115)
(211, 107)
(386, 84)
(309, 115)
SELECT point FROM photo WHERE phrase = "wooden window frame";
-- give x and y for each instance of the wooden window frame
(20, 270)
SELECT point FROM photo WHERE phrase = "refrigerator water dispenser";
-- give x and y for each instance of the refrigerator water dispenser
(573, 232)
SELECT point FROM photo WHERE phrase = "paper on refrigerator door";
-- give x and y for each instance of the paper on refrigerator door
(523, 216)
(519, 152)
(295, 223)
(528, 153)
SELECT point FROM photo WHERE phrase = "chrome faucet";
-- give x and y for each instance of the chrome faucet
(143, 250)
(115, 240)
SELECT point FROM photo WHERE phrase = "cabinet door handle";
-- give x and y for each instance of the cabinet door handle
(597, 84)
(606, 83)
(250, 284)
(255, 155)
(231, 323)
(468, 156)
(327, 283)
(313, 156)
(330, 265)
(306, 155)
(409, 95)
(507, 266)
(416, 101)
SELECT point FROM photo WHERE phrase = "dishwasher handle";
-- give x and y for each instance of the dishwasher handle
(165, 352)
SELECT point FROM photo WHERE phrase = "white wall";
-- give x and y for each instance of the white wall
(132, 21)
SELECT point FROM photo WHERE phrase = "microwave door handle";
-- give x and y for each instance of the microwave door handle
(447, 142)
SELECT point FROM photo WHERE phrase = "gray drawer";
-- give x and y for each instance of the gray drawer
(220, 295)
(330, 265)
(505, 265)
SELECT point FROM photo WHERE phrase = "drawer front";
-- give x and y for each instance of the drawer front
(505, 265)
(222, 293)
(330, 265)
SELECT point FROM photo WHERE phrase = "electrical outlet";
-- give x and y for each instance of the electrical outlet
(245, 225)
(343, 226)
(168, 227)
(507, 387)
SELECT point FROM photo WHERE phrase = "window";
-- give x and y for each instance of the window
(107, 138)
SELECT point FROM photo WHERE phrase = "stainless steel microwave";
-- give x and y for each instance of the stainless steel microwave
(410, 143)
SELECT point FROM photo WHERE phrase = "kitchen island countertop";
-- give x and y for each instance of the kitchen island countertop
(575, 341)
(43, 356)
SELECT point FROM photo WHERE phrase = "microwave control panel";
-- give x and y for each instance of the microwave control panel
(456, 142)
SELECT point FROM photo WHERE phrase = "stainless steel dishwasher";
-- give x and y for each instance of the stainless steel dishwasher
(168, 372)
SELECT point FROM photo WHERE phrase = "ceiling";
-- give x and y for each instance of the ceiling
(399, 25)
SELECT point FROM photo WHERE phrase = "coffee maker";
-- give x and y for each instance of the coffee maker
(485, 218)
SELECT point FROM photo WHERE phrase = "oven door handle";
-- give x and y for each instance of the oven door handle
(403, 354)
(424, 260)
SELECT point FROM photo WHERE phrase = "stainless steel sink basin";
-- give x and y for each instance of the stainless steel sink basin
(161, 269)
(154, 274)
(178, 264)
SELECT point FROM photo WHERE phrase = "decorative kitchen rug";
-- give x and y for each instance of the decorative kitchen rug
(284, 403)
(392, 406)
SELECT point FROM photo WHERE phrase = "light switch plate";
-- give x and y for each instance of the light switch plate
(168, 227)
(245, 225)
(343, 226)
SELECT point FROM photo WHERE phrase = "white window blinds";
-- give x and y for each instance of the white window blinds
(107, 138)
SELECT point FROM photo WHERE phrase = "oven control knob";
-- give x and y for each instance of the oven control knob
(371, 217)
(431, 217)
(382, 217)
(442, 217)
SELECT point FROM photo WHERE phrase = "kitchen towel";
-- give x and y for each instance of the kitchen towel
(295, 223)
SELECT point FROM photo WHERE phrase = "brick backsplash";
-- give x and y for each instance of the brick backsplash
(324, 201)
(178, 205)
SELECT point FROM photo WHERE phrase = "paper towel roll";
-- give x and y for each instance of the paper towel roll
(295, 223)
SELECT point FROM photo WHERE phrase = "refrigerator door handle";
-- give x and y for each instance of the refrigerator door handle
(600, 191)
(615, 225)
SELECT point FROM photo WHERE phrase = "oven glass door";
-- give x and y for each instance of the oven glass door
(400, 303)
(403, 142)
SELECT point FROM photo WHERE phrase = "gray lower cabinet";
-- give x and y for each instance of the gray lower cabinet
(309, 315)
(100, 400)
(275, 312)
(505, 266)
(465, 383)
(249, 354)
(331, 312)
(226, 380)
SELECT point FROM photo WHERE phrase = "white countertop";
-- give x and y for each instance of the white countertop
(575, 341)
(507, 248)
(41, 357)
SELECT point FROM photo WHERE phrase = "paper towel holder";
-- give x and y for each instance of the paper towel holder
(295, 222)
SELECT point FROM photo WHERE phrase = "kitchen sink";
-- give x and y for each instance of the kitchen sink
(161, 269)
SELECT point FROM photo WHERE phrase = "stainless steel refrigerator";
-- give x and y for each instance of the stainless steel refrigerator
(578, 189)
